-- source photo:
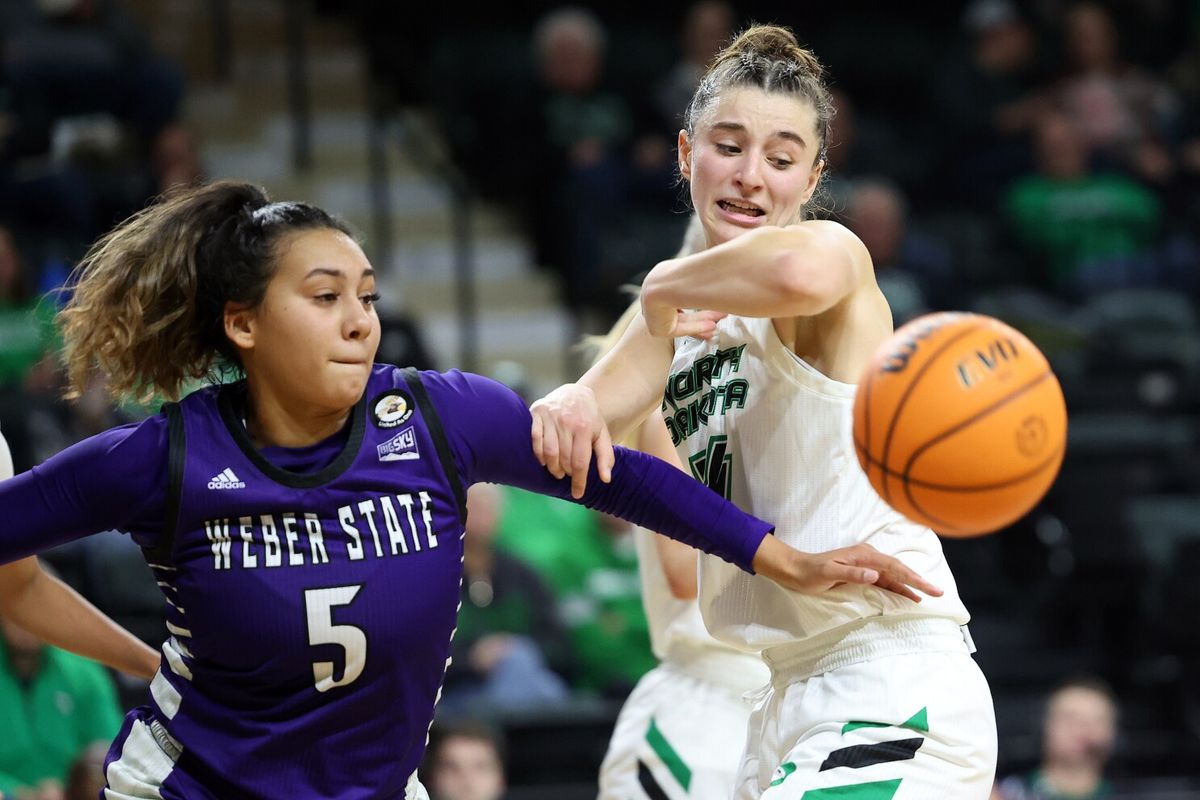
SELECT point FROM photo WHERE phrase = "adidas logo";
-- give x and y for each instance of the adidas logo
(226, 480)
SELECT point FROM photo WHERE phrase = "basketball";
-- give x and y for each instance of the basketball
(959, 423)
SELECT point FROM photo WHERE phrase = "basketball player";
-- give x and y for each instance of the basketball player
(680, 732)
(872, 695)
(306, 521)
(55, 613)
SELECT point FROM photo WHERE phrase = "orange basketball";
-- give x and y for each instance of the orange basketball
(959, 423)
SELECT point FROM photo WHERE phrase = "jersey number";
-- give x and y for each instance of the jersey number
(318, 607)
(714, 466)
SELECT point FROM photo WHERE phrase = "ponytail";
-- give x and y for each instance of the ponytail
(148, 300)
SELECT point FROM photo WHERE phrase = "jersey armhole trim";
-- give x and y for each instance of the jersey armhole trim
(163, 552)
(434, 423)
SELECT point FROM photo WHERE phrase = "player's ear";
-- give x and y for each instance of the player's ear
(240, 325)
(685, 156)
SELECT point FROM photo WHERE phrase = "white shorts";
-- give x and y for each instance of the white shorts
(678, 736)
(916, 726)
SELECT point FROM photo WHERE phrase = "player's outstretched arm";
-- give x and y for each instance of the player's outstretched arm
(648, 492)
(814, 573)
(609, 401)
(677, 559)
(58, 615)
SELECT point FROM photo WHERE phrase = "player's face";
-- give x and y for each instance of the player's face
(751, 161)
(314, 336)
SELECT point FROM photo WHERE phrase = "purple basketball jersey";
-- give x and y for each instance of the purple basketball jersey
(310, 614)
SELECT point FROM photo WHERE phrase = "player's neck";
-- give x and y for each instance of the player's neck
(272, 423)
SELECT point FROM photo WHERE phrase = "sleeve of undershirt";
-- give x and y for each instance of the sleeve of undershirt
(488, 428)
(113, 480)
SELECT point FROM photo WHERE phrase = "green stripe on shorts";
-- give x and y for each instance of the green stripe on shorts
(876, 790)
(917, 722)
(662, 748)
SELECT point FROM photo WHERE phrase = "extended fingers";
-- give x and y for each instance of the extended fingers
(893, 574)
(581, 458)
(536, 435)
(605, 457)
(550, 451)
(700, 324)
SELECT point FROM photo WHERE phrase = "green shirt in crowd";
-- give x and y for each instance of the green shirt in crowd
(27, 332)
(594, 577)
(1089, 220)
(46, 724)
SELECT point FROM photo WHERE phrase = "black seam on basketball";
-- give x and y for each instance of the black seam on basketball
(943, 525)
(962, 425)
(908, 390)
(978, 487)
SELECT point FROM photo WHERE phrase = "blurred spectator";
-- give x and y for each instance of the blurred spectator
(176, 159)
(590, 562)
(707, 26)
(1122, 112)
(1078, 735)
(92, 110)
(1090, 231)
(598, 177)
(1185, 76)
(86, 781)
(915, 272)
(985, 101)
(465, 761)
(604, 613)
(26, 325)
(53, 704)
(509, 638)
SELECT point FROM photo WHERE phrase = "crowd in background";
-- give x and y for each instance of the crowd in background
(1038, 161)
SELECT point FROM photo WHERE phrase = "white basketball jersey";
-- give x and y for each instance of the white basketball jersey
(756, 423)
(677, 632)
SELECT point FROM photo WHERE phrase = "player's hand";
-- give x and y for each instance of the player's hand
(814, 573)
(567, 430)
(675, 322)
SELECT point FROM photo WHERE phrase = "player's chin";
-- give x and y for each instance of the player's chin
(347, 381)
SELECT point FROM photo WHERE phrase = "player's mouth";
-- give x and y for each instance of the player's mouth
(741, 212)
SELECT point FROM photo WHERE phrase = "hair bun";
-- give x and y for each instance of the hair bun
(774, 43)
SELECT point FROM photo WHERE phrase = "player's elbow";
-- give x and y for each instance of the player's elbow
(814, 272)
(807, 285)
(682, 587)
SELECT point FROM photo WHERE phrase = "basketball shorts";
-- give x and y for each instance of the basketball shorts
(679, 736)
(914, 726)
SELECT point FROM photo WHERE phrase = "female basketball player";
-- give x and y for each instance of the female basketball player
(680, 732)
(871, 695)
(305, 522)
(55, 613)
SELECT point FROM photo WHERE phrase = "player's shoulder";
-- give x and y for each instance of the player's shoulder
(452, 387)
(836, 234)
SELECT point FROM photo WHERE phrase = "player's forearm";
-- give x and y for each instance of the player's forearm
(57, 614)
(629, 381)
(677, 559)
(770, 272)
